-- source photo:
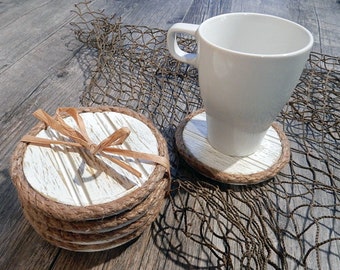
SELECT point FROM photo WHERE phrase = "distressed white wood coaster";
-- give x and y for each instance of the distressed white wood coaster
(272, 155)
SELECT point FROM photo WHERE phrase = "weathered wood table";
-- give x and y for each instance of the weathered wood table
(40, 67)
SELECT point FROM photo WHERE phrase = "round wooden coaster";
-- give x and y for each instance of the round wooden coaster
(266, 162)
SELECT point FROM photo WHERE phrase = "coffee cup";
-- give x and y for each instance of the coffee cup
(248, 66)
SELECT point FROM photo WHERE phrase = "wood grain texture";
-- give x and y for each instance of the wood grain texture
(41, 66)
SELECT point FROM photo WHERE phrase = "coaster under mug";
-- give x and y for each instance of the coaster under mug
(192, 144)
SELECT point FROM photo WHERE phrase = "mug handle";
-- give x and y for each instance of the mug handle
(175, 51)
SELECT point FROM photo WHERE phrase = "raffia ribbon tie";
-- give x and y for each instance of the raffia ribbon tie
(81, 139)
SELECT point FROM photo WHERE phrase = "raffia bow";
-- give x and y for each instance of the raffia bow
(81, 139)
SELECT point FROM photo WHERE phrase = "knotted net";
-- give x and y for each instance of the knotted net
(291, 221)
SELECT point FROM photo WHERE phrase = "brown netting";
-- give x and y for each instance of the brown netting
(289, 222)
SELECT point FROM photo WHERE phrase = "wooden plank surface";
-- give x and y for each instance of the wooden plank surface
(41, 66)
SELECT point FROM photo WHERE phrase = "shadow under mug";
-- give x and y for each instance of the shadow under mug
(248, 66)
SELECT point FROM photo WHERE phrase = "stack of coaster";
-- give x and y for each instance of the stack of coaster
(85, 202)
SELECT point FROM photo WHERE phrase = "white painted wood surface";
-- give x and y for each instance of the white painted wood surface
(195, 139)
(62, 174)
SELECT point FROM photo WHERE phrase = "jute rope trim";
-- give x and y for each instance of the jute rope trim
(91, 237)
(31, 198)
(99, 225)
(102, 242)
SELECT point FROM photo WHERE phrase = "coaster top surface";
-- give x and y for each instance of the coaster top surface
(74, 177)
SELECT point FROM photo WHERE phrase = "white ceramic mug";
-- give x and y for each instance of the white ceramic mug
(248, 67)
